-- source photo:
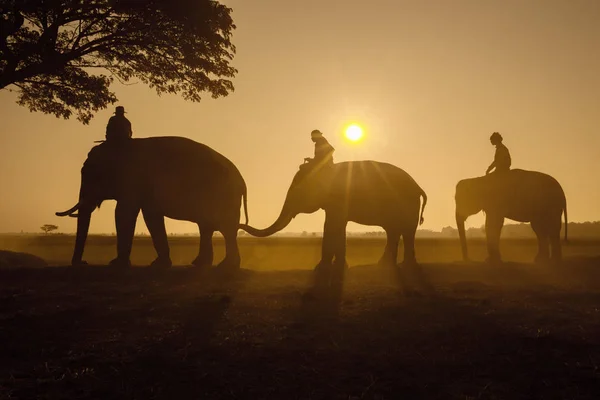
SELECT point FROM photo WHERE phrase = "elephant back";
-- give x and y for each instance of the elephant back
(181, 160)
(377, 178)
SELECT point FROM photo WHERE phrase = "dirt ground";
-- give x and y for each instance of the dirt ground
(277, 330)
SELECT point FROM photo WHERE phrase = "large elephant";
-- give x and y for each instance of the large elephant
(170, 177)
(524, 196)
(366, 192)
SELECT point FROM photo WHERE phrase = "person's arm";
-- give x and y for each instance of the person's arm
(491, 167)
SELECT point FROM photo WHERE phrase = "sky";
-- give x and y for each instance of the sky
(429, 81)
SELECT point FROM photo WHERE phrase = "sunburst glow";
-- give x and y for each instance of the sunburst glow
(354, 133)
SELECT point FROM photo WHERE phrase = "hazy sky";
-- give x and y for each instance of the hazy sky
(428, 80)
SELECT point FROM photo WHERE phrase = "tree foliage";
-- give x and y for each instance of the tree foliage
(48, 228)
(62, 56)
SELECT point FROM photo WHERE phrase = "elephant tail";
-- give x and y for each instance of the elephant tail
(566, 222)
(421, 218)
(245, 203)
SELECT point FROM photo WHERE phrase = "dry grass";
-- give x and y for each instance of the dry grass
(446, 330)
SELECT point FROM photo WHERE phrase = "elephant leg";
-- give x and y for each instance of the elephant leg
(556, 247)
(554, 226)
(327, 249)
(155, 222)
(125, 219)
(339, 244)
(390, 253)
(493, 229)
(205, 254)
(328, 244)
(408, 238)
(541, 231)
(232, 252)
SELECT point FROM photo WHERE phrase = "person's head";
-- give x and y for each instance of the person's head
(315, 135)
(120, 110)
(496, 138)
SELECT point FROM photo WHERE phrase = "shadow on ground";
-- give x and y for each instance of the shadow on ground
(440, 331)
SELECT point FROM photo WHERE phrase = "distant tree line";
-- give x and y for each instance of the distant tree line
(583, 230)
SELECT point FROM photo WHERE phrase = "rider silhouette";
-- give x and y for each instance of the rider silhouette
(502, 159)
(323, 150)
(119, 127)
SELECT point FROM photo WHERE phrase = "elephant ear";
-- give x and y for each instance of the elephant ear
(308, 172)
(105, 158)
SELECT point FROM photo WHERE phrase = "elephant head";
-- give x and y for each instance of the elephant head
(307, 194)
(99, 182)
(472, 196)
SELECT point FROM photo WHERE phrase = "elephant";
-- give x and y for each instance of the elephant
(167, 176)
(519, 195)
(365, 192)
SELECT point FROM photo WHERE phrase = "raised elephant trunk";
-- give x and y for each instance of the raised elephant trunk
(460, 224)
(282, 221)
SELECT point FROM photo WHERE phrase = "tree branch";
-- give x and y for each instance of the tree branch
(175, 47)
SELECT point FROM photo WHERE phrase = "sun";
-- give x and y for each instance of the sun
(354, 133)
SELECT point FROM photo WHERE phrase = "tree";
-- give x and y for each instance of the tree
(61, 56)
(48, 228)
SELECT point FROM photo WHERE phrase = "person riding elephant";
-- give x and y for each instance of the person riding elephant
(172, 177)
(323, 150)
(522, 196)
(502, 159)
(118, 128)
(365, 192)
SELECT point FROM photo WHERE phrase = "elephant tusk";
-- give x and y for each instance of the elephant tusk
(68, 212)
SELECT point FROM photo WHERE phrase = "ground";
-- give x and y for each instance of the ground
(276, 330)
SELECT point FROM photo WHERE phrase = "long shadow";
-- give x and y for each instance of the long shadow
(573, 271)
(479, 351)
(433, 345)
(322, 300)
(413, 281)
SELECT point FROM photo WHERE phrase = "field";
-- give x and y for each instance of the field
(277, 330)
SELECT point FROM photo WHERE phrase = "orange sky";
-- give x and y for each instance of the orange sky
(428, 80)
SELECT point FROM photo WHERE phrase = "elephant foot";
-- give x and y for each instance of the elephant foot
(161, 263)
(409, 263)
(340, 265)
(120, 263)
(229, 264)
(327, 265)
(201, 262)
(386, 262)
(78, 263)
(323, 266)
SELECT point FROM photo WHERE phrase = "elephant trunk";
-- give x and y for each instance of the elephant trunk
(83, 226)
(284, 219)
(69, 212)
(460, 224)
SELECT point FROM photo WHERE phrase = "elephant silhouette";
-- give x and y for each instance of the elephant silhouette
(519, 195)
(171, 177)
(365, 192)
